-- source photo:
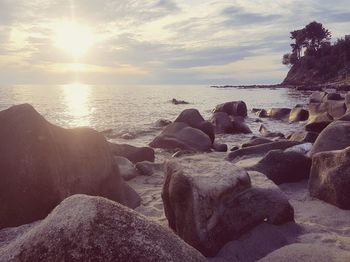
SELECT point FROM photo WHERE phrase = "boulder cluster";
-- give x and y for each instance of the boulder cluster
(64, 194)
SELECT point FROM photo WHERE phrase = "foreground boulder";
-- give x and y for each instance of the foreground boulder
(194, 119)
(284, 167)
(41, 164)
(133, 153)
(335, 137)
(234, 108)
(84, 228)
(179, 135)
(218, 204)
(330, 177)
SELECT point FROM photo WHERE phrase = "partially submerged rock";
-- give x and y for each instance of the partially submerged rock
(209, 206)
(178, 102)
(267, 133)
(179, 135)
(194, 119)
(304, 136)
(278, 113)
(41, 164)
(317, 123)
(298, 114)
(84, 228)
(234, 108)
(330, 177)
(146, 168)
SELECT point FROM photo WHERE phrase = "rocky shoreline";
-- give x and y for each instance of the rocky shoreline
(68, 194)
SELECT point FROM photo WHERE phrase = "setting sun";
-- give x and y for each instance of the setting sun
(73, 38)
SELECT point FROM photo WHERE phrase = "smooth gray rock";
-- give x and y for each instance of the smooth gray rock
(84, 228)
(134, 154)
(126, 168)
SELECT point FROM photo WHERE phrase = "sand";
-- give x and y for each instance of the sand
(319, 228)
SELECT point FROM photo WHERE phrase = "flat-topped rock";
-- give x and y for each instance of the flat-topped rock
(208, 203)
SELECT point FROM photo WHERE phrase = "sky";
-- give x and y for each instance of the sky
(169, 42)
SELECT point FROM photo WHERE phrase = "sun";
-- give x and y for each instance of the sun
(73, 38)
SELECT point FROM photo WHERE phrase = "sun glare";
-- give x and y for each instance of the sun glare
(73, 38)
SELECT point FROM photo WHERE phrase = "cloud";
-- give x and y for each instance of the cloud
(160, 41)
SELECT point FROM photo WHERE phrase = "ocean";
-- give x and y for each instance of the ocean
(133, 110)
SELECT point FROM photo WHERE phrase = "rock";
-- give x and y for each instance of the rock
(304, 136)
(234, 148)
(179, 102)
(330, 177)
(234, 108)
(336, 109)
(220, 147)
(334, 137)
(262, 113)
(41, 164)
(278, 113)
(194, 119)
(84, 228)
(181, 153)
(222, 123)
(333, 96)
(210, 208)
(302, 149)
(162, 122)
(257, 141)
(317, 97)
(317, 123)
(126, 168)
(146, 168)
(267, 133)
(239, 127)
(134, 154)
(298, 114)
(128, 136)
(284, 167)
(307, 252)
(261, 149)
(179, 135)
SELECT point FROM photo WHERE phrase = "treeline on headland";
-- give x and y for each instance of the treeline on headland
(315, 60)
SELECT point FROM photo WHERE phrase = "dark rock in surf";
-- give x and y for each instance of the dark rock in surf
(234, 108)
(134, 154)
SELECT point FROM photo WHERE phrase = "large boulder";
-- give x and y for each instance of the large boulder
(234, 108)
(284, 167)
(41, 164)
(215, 204)
(179, 135)
(330, 177)
(307, 252)
(336, 136)
(261, 149)
(133, 153)
(298, 114)
(194, 119)
(84, 228)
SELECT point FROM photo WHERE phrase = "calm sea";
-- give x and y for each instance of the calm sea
(135, 109)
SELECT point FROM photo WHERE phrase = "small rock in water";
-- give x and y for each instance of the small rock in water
(178, 102)
(128, 136)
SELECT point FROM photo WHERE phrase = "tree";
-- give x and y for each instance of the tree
(289, 59)
(315, 35)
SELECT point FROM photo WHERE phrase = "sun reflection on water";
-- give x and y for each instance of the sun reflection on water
(77, 100)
